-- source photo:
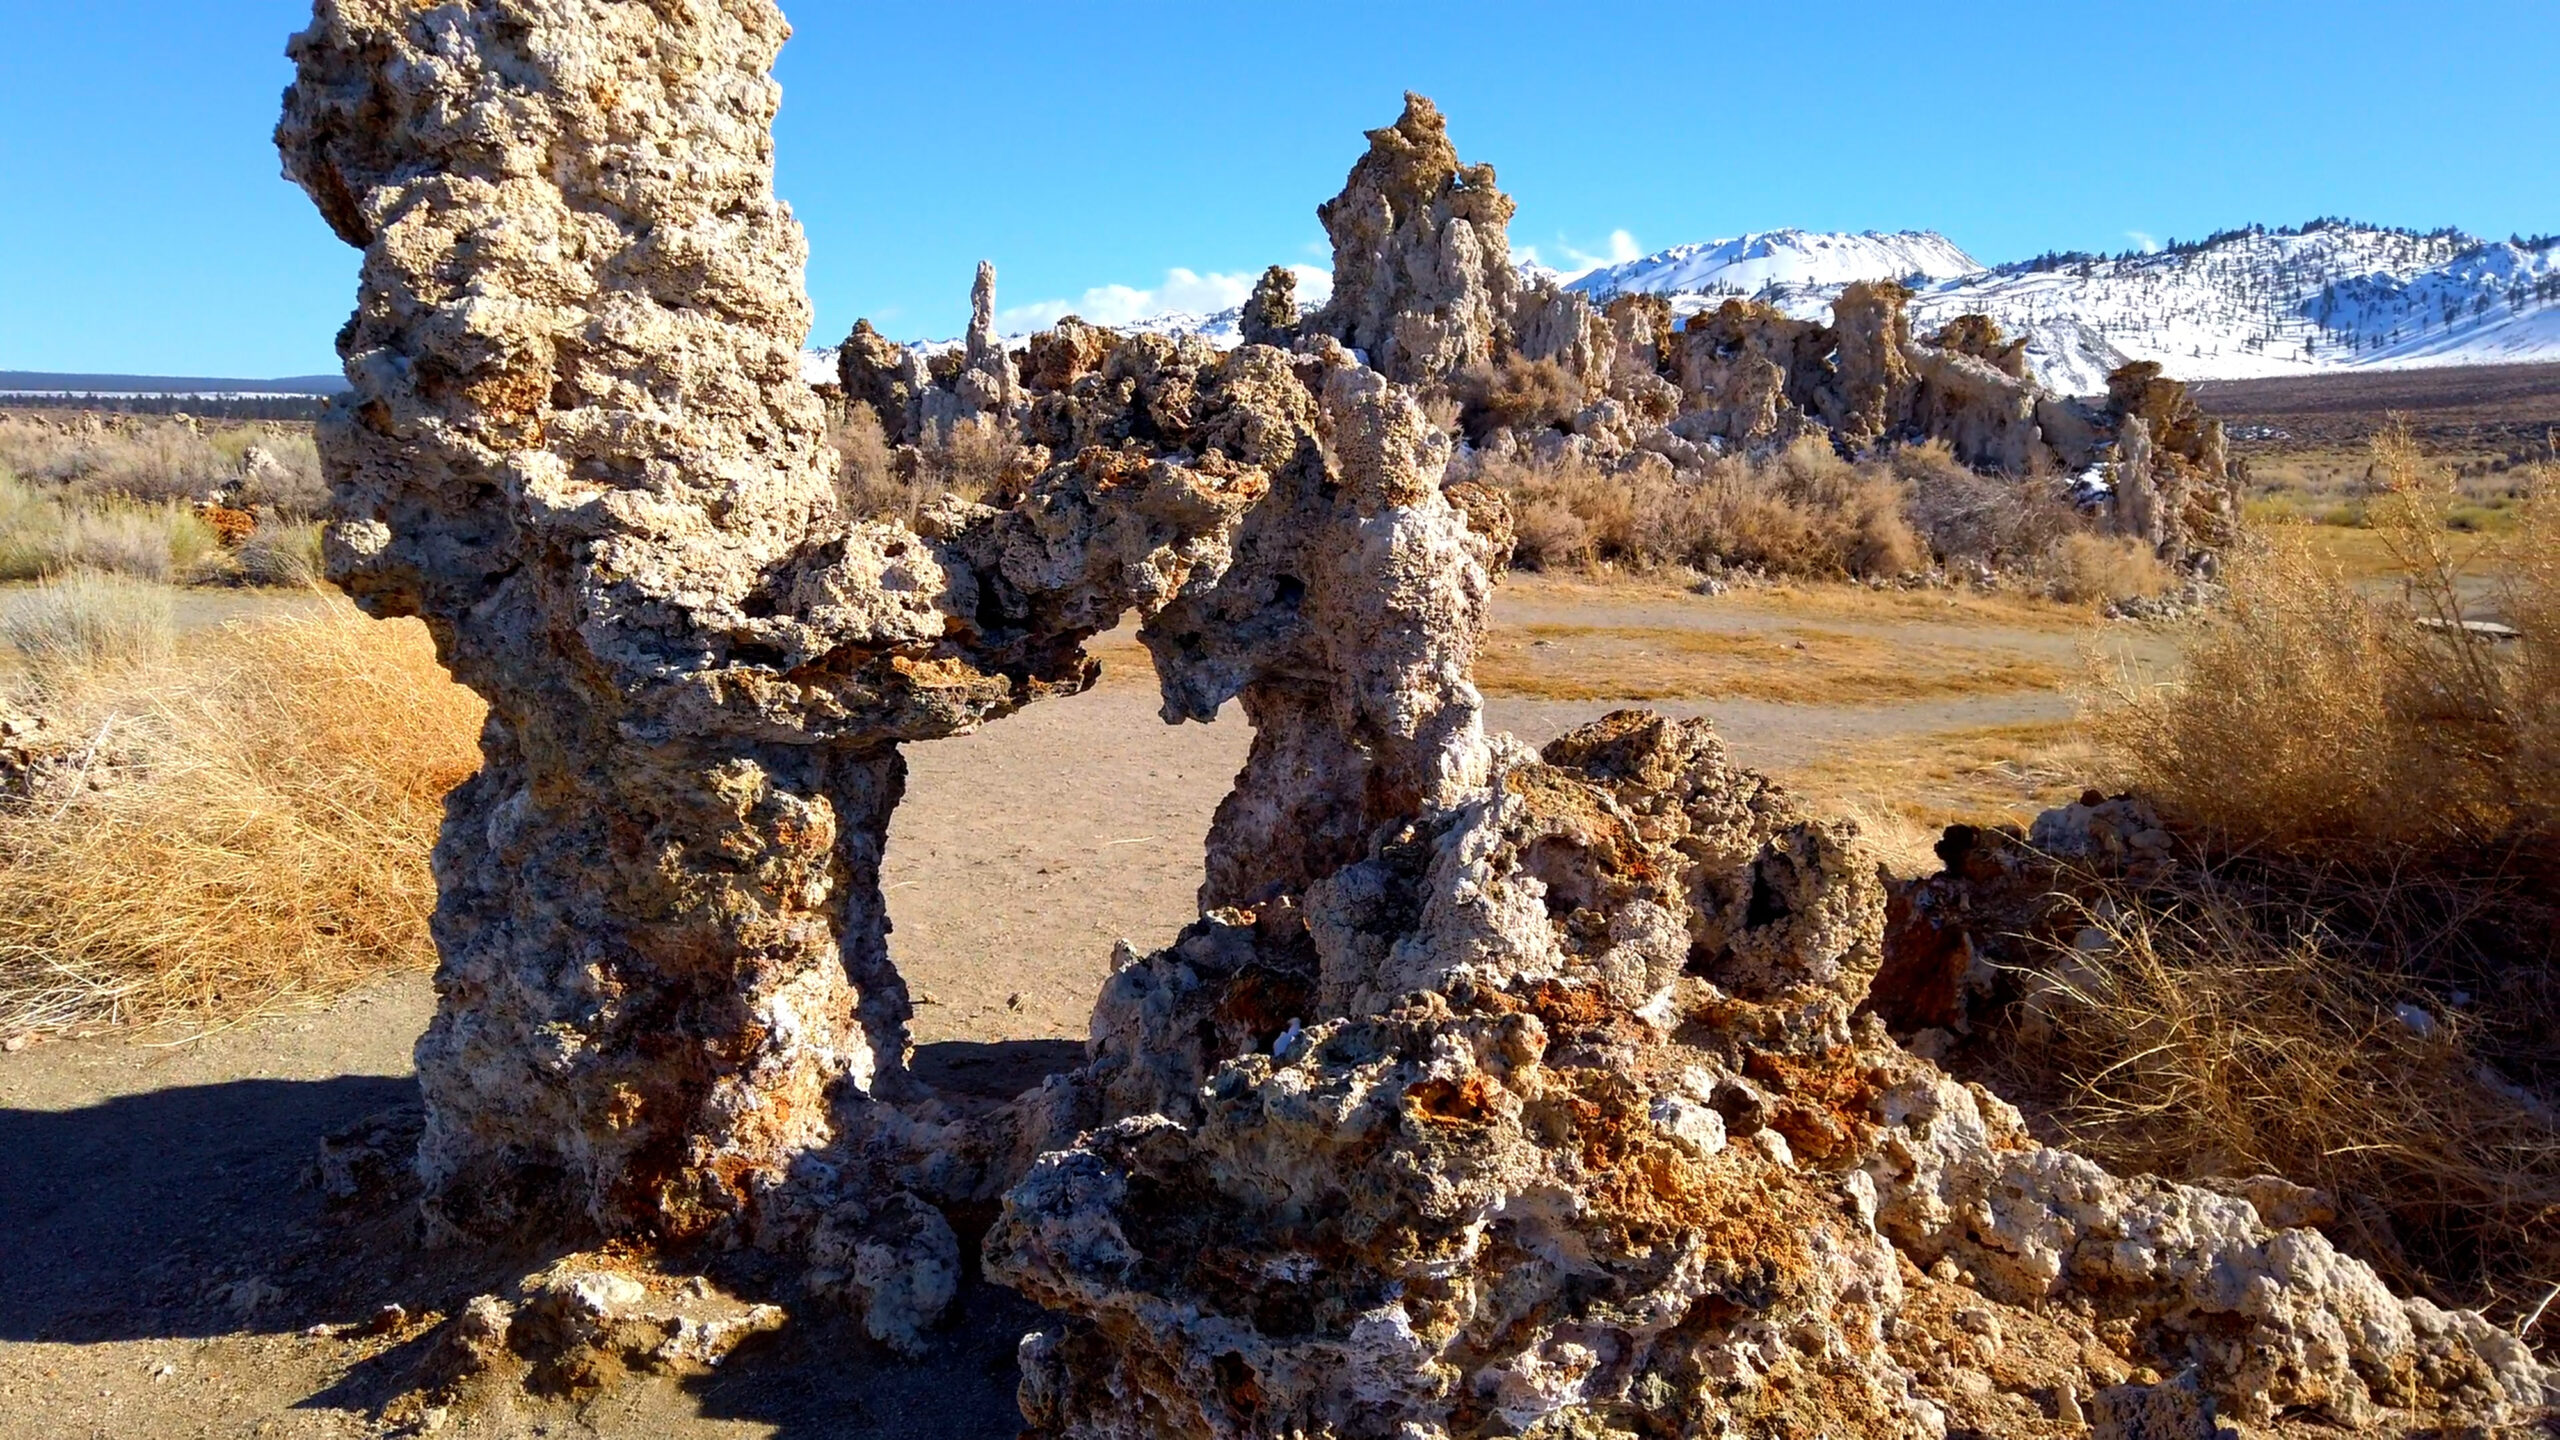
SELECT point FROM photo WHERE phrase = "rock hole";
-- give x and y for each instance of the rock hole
(1022, 853)
(1768, 906)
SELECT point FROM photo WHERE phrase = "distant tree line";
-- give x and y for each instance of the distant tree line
(262, 407)
(2083, 260)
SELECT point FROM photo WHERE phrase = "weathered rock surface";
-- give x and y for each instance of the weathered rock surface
(32, 754)
(2177, 488)
(1494, 1092)
(578, 446)
(1587, 1141)
(920, 393)
(1271, 314)
(579, 1324)
(1422, 276)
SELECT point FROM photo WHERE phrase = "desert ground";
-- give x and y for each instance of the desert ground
(171, 1269)
(168, 1272)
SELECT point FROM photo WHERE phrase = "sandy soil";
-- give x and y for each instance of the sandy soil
(165, 1273)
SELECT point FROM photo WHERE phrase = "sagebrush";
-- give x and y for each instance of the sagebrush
(246, 820)
(2421, 718)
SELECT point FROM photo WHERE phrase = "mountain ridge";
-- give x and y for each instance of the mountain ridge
(2249, 303)
(49, 382)
(2240, 304)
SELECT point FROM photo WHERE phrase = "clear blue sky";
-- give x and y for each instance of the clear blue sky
(143, 226)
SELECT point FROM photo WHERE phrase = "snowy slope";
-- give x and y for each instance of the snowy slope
(2256, 302)
(1749, 264)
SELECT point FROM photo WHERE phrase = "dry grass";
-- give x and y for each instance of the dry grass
(2314, 710)
(122, 497)
(155, 461)
(1993, 522)
(282, 552)
(2089, 569)
(868, 482)
(2238, 1028)
(2003, 609)
(51, 533)
(2356, 983)
(261, 803)
(1920, 784)
(1515, 394)
(976, 459)
(87, 625)
(1805, 513)
(1792, 666)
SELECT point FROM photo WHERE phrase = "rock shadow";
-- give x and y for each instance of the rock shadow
(185, 1213)
(820, 1378)
(993, 1070)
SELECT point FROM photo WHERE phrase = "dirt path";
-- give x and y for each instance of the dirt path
(163, 1269)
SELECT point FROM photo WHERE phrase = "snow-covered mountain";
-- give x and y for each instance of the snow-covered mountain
(2252, 302)
(2325, 296)
(1749, 264)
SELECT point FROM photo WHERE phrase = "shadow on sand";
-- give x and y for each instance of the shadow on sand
(173, 1213)
(185, 1213)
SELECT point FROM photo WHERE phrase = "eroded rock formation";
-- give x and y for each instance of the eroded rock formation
(579, 448)
(920, 393)
(1423, 283)
(2176, 486)
(1588, 1139)
(32, 753)
(1493, 1093)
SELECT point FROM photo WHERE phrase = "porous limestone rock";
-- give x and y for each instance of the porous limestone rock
(1750, 375)
(1747, 373)
(30, 753)
(578, 446)
(1979, 336)
(2177, 488)
(2141, 511)
(1477, 1190)
(1986, 416)
(872, 370)
(985, 386)
(1872, 384)
(1422, 277)
(578, 1324)
(1348, 625)
(919, 392)
(1493, 1093)
(1271, 315)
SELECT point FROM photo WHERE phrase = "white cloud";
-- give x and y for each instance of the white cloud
(2142, 242)
(1622, 248)
(1182, 289)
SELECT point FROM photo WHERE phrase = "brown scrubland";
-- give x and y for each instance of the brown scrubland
(2356, 985)
(159, 499)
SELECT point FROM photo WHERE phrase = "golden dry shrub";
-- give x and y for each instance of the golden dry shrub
(2279, 728)
(247, 821)
(1516, 394)
(2084, 568)
(1548, 535)
(2337, 1031)
(2530, 596)
(867, 480)
(1803, 512)
(2356, 985)
(972, 458)
(2313, 710)
(83, 625)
